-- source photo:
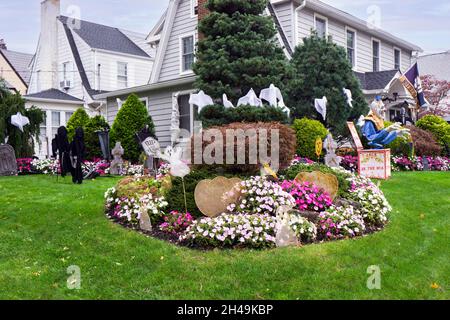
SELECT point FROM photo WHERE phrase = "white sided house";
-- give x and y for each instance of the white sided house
(76, 60)
(378, 57)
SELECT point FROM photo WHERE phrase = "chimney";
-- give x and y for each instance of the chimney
(50, 11)
(202, 12)
(3, 45)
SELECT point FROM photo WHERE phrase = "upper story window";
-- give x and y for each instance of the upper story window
(122, 75)
(187, 53)
(194, 8)
(351, 47)
(321, 26)
(376, 55)
(397, 59)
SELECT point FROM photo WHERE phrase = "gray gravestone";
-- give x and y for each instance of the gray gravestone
(117, 163)
(8, 163)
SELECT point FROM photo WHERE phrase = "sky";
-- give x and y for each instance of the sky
(425, 23)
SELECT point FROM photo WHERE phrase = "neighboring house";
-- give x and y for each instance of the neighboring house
(437, 65)
(378, 57)
(14, 69)
(76, 60)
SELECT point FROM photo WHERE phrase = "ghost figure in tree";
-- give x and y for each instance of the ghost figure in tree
(372, 127)
(321, 106)
(275, 98)
(250, 99)
(19, 121)
(201, 100)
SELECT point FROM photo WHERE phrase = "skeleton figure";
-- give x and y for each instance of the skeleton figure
(331, 159)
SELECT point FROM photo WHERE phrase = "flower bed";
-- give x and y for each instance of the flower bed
(254, 220)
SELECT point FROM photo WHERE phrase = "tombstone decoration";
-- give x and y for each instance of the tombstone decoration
(144, 221)
(151, 147)
(103, 137)
(426, 164)
(77, 154)
(8, 163)
(117, 163)
(331, 159)
(285, 236)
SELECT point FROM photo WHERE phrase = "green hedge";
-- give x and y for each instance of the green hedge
(307, 132)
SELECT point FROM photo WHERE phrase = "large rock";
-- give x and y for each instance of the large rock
(325, 181)
(8, 163)
(212, 197)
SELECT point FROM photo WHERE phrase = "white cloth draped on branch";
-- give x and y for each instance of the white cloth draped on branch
(321, 106)
(20, 121)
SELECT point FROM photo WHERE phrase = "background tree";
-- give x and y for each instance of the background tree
(437, 92)
(91, 139)
(22, 142)
(321, 69)
(132, 118)
(79, 119)
(238, 50)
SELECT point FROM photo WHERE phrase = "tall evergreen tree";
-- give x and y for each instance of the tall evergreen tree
(238, 50)
(321, 68)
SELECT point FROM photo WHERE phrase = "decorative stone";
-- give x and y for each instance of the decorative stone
(8, 163)
(325, 181)
(144, 222)
(212, 197)
(284, 235)
(117, 163)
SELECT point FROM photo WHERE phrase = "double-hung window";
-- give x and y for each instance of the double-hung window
(397, 59)
(122, 75)
(187, 53)
(376, 55)
(321, 26)
(351, 46)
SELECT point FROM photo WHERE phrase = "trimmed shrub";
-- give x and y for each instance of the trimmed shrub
(307, 132)
(132, 118)
(286, 150)
(424, 142)
(78, 120)
(438, 127)
(97, 123)
(218, 115)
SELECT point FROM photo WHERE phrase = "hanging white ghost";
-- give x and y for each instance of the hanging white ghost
(321, 106)
(201, 100)
(20, 121)
(250, 99)
(273, 96)
(119, 103)
(178, 168)
(349, 96)
(227, 103)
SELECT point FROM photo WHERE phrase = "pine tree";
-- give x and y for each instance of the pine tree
(238, 50)
(321, 68)
(132, 118)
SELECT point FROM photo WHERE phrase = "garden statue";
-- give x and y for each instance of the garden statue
(117, 163)
(77, 150)
(373, 129)
(331, 159)
(284, 235)
(8, 164)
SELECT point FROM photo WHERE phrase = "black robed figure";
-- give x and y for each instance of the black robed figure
(77, 149)
(63, 147)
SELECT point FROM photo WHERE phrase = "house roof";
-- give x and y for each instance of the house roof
(376, 80)
(53, 94)
(19, 62)
(437, 65)
(107, 38)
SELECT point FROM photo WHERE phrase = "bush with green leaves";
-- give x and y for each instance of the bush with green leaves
(132, 118)
(79, 119)
(307, 132)
(321, 68)
(217, 115)
(91, 139)
(438, 127)
(22, 142)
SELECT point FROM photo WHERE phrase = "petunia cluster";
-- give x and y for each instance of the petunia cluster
(403, 163)
(340, 222)
(176, 222)
(232, 230)
(261, 196)
(307, 196)
(46, 166)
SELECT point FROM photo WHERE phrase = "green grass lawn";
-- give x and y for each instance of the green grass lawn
(47, 226)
